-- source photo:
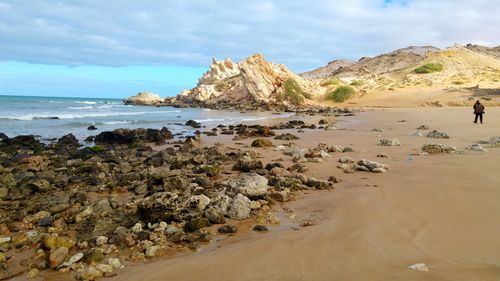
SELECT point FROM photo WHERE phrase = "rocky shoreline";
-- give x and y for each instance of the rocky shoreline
(87, 211)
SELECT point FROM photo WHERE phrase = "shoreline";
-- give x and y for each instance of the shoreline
(324, 212)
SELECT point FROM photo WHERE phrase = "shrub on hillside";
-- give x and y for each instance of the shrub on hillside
(329, 82)
(429, 68)
(294, 93)
(341, 94)
(357, 83)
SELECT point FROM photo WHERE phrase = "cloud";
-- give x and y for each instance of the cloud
(301, 34)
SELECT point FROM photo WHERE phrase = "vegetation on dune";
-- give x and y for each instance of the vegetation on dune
(329, 82)
(293, 93)
(357, 82)
(341, 94)
(429, 68)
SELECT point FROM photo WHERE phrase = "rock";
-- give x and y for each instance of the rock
(423, 127)
(346, 159)
(240, 207)
(4, 240)
(83, 215)
(389, 142)
(67, 143)
(318, 184)
(53, 242)
(131, 136)
(32, 273)
(193, 124)
(247, 164)
(227, 229)
(115, 263)
(416, 134)
(261, 143)
(90, 274)
(196, 224)
(101, 240)
(144, 98)
(3, 136)
(44, 222)
(377, 130)
(279, 172)
(437, 135)
(201, 201)
(102, 206)
(105, 268)
(137, 228)
(419, 267)
(37, 216)
(434, 148)
(260, 228)
(281, 196)
(91, 128)
(4, 193)
(153, 251)
(249, 184)
(209, 170)
(215, 216)
(95, 255)
(371, 166)
(73, 259)
(382, 155)
(286, 136)
(330, 127)
(57, 256)
(475, 147)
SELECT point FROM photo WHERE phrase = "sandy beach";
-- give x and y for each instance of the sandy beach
(440, 210)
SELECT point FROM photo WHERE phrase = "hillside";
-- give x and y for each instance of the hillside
(412, 76)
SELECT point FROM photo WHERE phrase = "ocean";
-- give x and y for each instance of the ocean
(53, 117)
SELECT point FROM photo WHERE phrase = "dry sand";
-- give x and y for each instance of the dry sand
(442, 210)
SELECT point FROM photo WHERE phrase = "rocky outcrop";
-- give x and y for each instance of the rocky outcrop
(145, 98)
(252, 81)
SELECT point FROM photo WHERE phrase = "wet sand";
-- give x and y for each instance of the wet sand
(442, 210)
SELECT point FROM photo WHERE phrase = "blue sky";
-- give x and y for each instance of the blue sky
(97, 48)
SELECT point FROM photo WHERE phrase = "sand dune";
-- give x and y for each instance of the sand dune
(441, 210)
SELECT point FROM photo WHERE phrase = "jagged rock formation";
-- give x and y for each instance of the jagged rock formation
(144, 98)
(252, 81)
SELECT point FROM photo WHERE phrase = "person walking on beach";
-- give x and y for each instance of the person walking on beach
(478, 111)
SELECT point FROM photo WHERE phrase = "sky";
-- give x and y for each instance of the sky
(96, 48)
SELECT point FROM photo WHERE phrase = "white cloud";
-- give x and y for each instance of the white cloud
(301, 34)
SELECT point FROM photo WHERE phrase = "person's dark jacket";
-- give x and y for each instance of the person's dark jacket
(478, 108)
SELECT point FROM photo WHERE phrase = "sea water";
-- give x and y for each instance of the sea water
(53, 117)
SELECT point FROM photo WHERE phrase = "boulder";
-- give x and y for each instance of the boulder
(57, 256)
(437, 135)
(262, 143)
(389, 142)
(144, 98)
(371, 166)
(227, 229)
(249, 184)
(435, 148)
(131, 136)
(286, 136)
(240, 207)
